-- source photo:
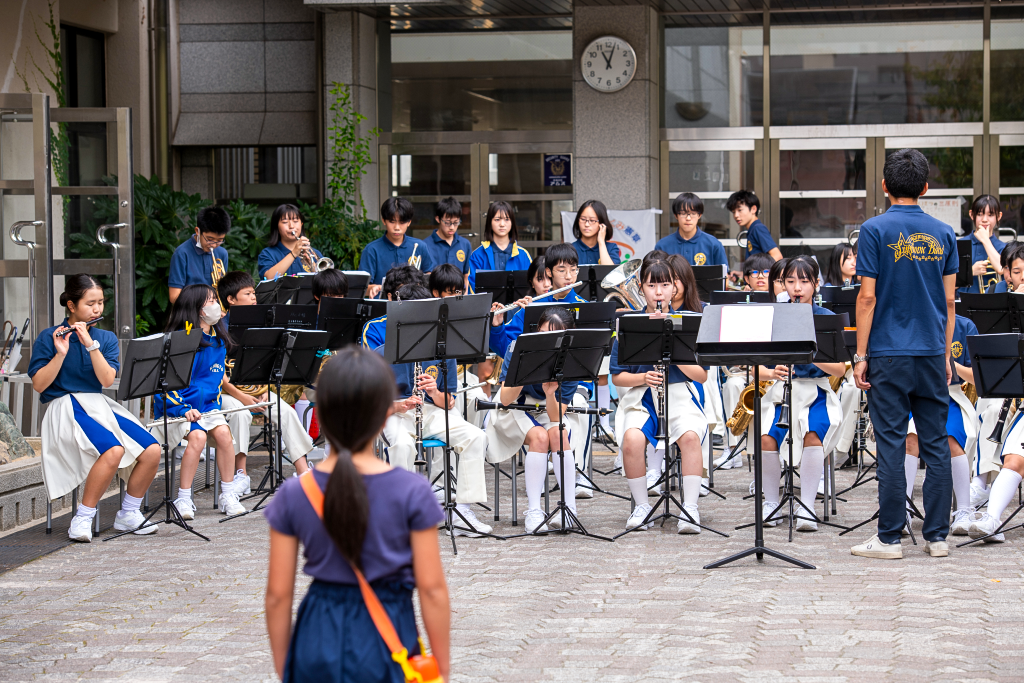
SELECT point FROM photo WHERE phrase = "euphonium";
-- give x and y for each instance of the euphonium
(744, 410)
(625, 283)
(970, 391)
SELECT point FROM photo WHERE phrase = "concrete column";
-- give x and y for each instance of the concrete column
(616, 135)
(128, 78)
(350, 57)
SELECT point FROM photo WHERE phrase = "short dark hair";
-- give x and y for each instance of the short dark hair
(802, 266)
(330, 282)
(985, 203)
(449, 206)
(231, 284)
(398, 276)
(75, 287)
(687, 201)
(538, 264)
(905, 173)
(557, 318)
(756, 262)
(280, 213)
(412, 292)
(213, 219)
(446, 278)
(745, 197)
(493, 210)
(602, 215)
(397, 209)
(1012, 252)
(560, 253)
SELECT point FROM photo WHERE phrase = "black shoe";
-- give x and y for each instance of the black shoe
(717, 441)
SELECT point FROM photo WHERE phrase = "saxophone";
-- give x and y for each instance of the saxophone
(417, 370)
(744, 411)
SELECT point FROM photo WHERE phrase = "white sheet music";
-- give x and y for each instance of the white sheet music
(746, 323)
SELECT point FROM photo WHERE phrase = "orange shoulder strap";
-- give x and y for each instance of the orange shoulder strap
(377, 613)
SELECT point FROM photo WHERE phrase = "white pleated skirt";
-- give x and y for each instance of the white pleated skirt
(815, 407)
(685, 413)
(507, 429)
(961, 423)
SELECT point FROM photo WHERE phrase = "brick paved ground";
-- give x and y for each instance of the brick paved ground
(172, 608)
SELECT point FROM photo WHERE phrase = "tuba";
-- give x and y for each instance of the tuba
(744, 411)
(625, 283)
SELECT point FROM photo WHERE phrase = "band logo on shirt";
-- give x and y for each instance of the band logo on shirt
(918, 247)
(699, 259)
(432, 371)
(461, 255)
(957, 348)
(217, 369)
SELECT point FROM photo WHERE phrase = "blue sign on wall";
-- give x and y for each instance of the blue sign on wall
(557, 170)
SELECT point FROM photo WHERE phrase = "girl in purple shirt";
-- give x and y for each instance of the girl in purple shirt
(379, 519)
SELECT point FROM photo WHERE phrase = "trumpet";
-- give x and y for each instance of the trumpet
(417, 370)
(744, 411)
(508, 308)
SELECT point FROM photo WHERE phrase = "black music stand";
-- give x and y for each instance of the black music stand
(588, 315)
(593, 274)
(841, 300)
(721, 298)
(277, 356)
(504, 286)
(345, 318)
(998, 363)
(358, 280)
(153, 366)
(280, 290)
(965, 257)
(993, 313)
(709, 279)
(671, 340)
(791, 340)
(439, 330)
(559, 356)
(271, 315)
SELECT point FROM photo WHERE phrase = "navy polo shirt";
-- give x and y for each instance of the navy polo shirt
(962, 328)
(404, 377)
(810, 370)
(501, 256)
(535, 391)
(271, 256)
(190, 265)
(591, 255)
(978, 253)
(76, 373)
(759, 239)
(381, 255)
(907, 252)
(457, 253)
(701, 250)
(999, 289)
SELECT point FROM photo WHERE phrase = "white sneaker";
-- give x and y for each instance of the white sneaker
(81, 529)
(685, 526)
(961, 523)
(704, 484)
(751, 487)
(551, 467)
(979, 494)
(473, 522)
(131, 521)
(805, 523)
(186, 508)
(229, 504)
(639, 514)
(243, 484)
(617, 463)
(874, 548)
(533, 521)
(936, 548)
(983, 524)
(653, 487)
(766, 509)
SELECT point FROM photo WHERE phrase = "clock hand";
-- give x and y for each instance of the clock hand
(607, 60)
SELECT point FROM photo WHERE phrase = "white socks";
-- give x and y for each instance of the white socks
(638, 487)
(568, 479)
(84, 511)
(961, 482)
(812, 466)
(130, 503)
(535, 467)
(656, 461)
(691, 490)
(910, 466)
(771, 476)
(604, 400)
(1003, 489)
(187, 493)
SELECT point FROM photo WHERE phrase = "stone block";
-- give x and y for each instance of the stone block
(219, 129)
(230, 67)
(297, 31)
(338, 39)
(222, 102)
(289, 128)
(220, 12)
(291, 101)
(291, 66)
(283, 11)
(211, 33)
(195, 156)
(197, 180)
(612, 124)
(620, 182)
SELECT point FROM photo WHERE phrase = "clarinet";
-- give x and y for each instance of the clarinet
(662, 395)
(997, 433)
(417, 370)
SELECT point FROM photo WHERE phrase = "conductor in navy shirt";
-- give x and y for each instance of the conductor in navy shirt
(907, 262)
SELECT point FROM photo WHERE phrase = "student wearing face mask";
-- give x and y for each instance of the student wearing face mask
(197, 310)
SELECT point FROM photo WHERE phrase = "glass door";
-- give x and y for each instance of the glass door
(952, 182)
(516, 174)
(1011, 181)
(425, 174)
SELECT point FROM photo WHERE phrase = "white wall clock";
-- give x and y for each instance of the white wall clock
(608, 63)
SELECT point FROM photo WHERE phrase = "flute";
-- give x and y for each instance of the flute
(71, 329)
(508, 308)
(176, 420)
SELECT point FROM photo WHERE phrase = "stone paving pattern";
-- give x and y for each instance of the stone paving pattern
(170, 607)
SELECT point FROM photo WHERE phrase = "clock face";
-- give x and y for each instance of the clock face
(608, 64)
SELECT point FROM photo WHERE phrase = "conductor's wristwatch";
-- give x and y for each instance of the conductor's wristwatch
(859, 359)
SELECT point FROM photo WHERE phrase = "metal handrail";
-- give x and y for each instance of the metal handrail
(114, 248)
(16, 237)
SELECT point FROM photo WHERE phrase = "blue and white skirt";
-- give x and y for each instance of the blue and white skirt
(815, 408)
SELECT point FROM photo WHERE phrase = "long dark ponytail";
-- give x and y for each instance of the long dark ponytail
(354, 393)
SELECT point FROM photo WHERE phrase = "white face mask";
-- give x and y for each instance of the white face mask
(212, 314)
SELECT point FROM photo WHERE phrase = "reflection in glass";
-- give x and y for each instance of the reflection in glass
(1007, 71)
(821, 169)
(520, 174)
(831, 217)
(951, 168)
(430, 174)
(1011, 166)
(710, 171)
